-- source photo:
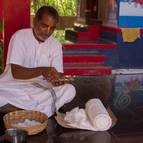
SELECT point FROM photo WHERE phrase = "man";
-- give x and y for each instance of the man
(34, 61)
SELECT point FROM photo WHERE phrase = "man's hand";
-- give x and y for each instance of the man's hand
(50, 73)
(62, 80)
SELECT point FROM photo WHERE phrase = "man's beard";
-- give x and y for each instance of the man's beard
(40, 38)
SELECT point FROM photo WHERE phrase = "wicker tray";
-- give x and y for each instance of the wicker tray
(12, 118)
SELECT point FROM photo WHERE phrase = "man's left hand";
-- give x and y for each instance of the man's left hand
(64, 79)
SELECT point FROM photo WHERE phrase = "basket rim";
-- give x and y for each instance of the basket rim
(34, 129)
(24, 111)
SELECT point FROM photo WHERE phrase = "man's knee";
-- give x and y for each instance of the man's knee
(71, 90)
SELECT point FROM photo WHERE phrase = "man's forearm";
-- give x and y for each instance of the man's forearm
(20, 72)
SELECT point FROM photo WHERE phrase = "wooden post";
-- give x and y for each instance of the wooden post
(91, 9)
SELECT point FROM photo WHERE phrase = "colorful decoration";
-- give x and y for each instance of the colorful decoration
(136, 2)
(128, 89)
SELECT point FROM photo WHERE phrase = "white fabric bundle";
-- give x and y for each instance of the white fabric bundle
(77, 118)
(98, 115)
(95, 117)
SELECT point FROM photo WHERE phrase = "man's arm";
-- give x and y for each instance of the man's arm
(20, 72)
(48, 73)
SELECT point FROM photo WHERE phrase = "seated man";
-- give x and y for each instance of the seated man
(34, 61)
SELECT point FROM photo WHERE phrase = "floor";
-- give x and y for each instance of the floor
(118, 134)
(129, 127)
(57, 134)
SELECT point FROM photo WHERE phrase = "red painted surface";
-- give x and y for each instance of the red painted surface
(89, 45)
(85, 65)
(82, 65)
(141, 30)
(16, 16)
(111, 29)
(1, 9)
(95, 71)
(93, 33)
(1, 17)
(84, 59)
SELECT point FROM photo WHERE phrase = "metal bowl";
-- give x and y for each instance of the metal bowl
(16, 135)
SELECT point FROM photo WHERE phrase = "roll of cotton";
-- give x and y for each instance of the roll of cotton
(98, 115)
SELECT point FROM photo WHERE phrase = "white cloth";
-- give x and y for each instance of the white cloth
(77, 118)
(95, 117)
(25, 50)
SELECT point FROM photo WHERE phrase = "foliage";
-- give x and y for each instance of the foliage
(60, 34)
(64, 7)
(1, 25)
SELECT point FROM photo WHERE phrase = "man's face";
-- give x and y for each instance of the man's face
(44, 27)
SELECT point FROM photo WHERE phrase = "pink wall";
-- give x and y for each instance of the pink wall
(16, 16)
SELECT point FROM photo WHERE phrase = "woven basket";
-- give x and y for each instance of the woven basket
(11, 119)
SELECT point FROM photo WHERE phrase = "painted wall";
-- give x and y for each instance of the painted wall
(127, 54)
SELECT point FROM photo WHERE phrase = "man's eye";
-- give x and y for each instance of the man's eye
(44, 26)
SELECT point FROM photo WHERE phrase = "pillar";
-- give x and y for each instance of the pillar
(16, 15)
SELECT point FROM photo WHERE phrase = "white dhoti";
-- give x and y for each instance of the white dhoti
(64, 94)
(25, 95)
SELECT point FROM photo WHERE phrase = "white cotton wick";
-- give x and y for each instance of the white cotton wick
(27, 123)
(75, 115)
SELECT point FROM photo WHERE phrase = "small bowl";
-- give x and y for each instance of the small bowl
(17, 135)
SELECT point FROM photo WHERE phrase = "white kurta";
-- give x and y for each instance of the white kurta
(26, 51)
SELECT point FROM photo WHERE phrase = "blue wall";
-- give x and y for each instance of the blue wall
(127, 54)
